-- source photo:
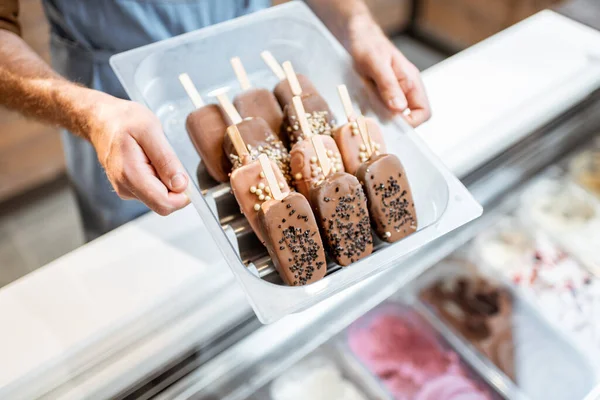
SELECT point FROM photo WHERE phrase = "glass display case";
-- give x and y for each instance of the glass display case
(505, 307)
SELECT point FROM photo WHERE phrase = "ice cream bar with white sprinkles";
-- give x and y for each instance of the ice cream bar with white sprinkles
(249, 184)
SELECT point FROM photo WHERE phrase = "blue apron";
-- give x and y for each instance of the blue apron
(84, 34)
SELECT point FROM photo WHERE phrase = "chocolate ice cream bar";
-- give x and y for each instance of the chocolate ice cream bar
(284, 91)
(317, 111)
(304, 163)
(206, 127)
(291, 235)
(318, 114)
(340, 207)
(389, 197)
(254, 102)
(351, 146)
(260, 103)
(304, 167)
(258, 138)
(249, 184)
(481, 312)
(348, 138)
(292, 238)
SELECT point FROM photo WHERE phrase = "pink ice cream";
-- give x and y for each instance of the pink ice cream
(407, 357)
(453, 387)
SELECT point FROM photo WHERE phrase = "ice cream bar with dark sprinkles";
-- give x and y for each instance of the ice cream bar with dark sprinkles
(293, 240)
(291, 235)
(340, 207)
(390, 201)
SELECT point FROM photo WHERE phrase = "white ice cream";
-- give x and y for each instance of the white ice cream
(569, 214)
(316, 378)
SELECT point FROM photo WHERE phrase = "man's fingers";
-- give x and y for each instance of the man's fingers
(162, 157)
(388, 85)
(410, 80)
(149, 189)
(142, 181)
(418, 103)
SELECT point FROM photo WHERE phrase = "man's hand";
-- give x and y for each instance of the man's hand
(136, 155)
(128, 138)
(397, 79)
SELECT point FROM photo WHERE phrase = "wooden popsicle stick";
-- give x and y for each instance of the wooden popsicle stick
(240, 73)
(238, 143)
(346, 102)
(364, 134)
(267, 169)
(301, 114)
(292, 78)
(228, 107)
(191, 90)
(321, 152)
(272, 63)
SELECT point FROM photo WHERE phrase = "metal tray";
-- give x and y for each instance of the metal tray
(406, 308)
(547, 365)
(351, 369)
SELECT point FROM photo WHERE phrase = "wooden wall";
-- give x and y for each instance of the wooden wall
(458, 24)
(392, 15)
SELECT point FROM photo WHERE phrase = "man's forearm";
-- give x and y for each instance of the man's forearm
(345, 18)
(28, 85)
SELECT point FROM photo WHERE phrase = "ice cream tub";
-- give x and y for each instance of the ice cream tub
(568, 213)
(515, 343)
(548, 277)
(329, 373)
(411, 357)
(290, 32)
(584, 169)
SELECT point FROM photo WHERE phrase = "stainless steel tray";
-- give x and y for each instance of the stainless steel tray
(547, 365)
(351, 369)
